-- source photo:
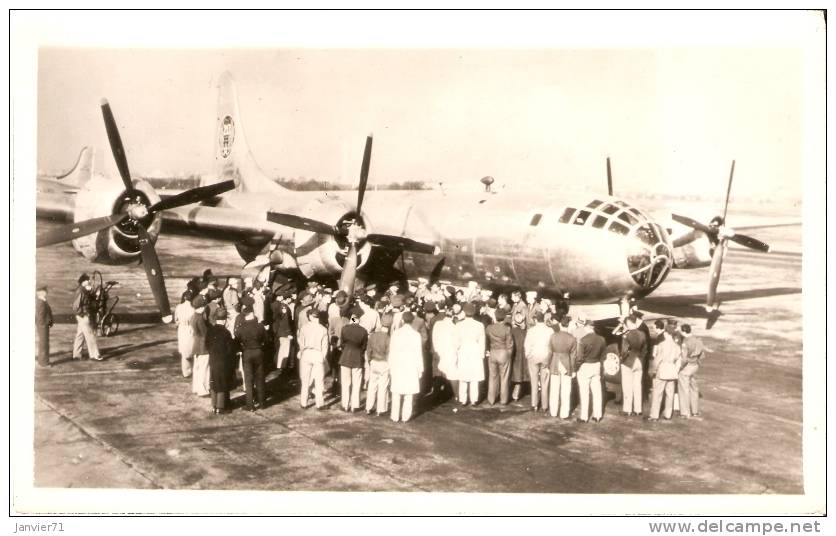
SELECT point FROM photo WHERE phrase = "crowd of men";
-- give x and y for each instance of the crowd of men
(428, 339)
(428, 342)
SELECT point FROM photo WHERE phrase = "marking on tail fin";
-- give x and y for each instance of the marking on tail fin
(227, 136)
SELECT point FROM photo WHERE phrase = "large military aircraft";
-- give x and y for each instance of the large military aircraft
(587, 249)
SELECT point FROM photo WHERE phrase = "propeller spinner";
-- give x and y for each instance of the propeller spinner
(134, 215)
(354, 231)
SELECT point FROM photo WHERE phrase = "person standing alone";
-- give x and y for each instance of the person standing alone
(43, 321)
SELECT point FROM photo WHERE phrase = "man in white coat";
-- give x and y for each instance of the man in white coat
(470, 355)
(406, 365)
(444, 348)
(313, 351)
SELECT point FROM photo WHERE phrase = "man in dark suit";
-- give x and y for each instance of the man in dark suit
(222, 361)
(353, 338)
(43, 321)
(251, 337)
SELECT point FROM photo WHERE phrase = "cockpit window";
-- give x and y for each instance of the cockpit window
(581, 218)
(599, 221)
(628, 218)
(610, 209)
(567, 215)
(619, 228)
(535, 219)
(593, 204)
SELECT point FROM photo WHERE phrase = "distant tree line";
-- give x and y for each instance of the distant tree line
(300, 184)
(304, 184)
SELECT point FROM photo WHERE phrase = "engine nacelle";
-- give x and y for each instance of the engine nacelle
(119, 244)
(696, 254)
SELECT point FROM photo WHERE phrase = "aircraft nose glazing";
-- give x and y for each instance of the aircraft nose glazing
(651, 259)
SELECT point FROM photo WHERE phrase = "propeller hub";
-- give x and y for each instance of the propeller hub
(137, 211)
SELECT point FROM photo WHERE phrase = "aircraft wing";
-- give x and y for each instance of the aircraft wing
(217, 222)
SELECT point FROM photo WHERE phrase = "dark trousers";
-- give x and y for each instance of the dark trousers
(253, 361)
(43, 345)
(220, 399)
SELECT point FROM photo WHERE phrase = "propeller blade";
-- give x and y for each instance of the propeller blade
(364, 173)
(609, 177)
(403, 243)
(151, 263)
(749, 242)
(349, 274)
(714, 274)
(194, 195)
(116, 145)
(694, 224)
(298, 222)
(74, 230)
(728, 192)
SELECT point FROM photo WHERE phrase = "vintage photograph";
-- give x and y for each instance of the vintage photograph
(463, 269)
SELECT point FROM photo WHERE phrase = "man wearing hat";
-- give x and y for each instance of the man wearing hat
(564, 350)
(538, 353)
(470, 355)
(406, 365)
(200, 363)
(500, 345)
(313, 351)
(377, 356)
(84, 308)
(251, 337)
(282, 330)
(592, 351)
(43, 321)
(221, 350)
(353, 340)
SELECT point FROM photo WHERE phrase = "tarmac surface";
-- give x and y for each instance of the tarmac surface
(132, 422)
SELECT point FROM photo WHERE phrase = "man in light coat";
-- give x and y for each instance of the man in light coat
(406, 365)
(689, 392)
(444, 348)
(667, 356)
(538, 354)
(313, 351)
(470, 355)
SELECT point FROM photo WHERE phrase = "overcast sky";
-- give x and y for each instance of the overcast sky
(671, 119)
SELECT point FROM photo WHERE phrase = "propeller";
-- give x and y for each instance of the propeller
(195, 195)
(355, 232)
(135, 211)
(609, 178)
(719, 237)
(77, 229)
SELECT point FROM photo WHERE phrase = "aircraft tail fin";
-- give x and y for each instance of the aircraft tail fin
(233, 158)
(81, 171)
